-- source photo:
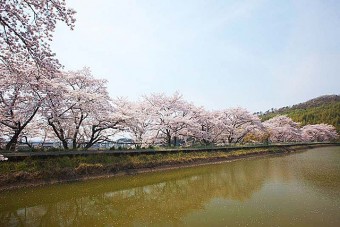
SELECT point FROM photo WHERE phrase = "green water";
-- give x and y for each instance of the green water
(301, 189)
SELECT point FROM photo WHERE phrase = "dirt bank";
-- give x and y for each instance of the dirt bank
(22, 174)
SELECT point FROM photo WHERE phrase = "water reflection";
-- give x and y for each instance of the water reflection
(321, 170)
(148, 199)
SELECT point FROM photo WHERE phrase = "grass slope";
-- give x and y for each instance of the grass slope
(324, 109)
(60, 169)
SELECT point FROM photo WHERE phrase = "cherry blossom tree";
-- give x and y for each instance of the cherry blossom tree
(236, 123)
(26, 28)
(319, 133)
(172, 116)
(208, 131)
(136, 120)
(282, 129)
(259, 135)
(100, 126)
(21, 97)
(79, 109)
(37, 131)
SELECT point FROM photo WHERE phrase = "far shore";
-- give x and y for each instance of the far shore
(32, 172)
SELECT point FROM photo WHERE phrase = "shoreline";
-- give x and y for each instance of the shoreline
(162, 166)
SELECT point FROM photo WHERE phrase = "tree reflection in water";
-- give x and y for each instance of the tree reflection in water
(147, 199)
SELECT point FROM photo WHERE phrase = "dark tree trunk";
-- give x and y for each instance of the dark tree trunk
(168, 138)
(64, 143)
(11, 145)
(27, 143)
(169, 141)
(74, 144)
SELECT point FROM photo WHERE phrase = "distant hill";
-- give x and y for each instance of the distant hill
(324, 109)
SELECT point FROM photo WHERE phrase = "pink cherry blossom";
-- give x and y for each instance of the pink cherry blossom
(26, 28)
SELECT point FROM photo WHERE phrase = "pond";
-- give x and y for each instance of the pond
(301, 189)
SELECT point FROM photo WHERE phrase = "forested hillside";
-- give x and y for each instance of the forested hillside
(324, 109)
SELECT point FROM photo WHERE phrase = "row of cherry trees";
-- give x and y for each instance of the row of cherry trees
(162, 119)
(72, 107)
(75, 109)
(38, 100)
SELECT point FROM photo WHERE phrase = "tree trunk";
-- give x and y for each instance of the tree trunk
(27, 143)
(74, 144)
(169, 141)
(65, 145)
(88, 145)
(168, 138)
(11, 145)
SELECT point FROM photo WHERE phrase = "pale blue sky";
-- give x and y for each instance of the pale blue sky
(255, 54)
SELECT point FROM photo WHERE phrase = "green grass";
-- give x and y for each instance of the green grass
(59, 168)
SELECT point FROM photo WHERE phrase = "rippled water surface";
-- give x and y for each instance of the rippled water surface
(301, 189)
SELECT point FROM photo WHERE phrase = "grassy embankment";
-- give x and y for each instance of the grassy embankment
(32, 171)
